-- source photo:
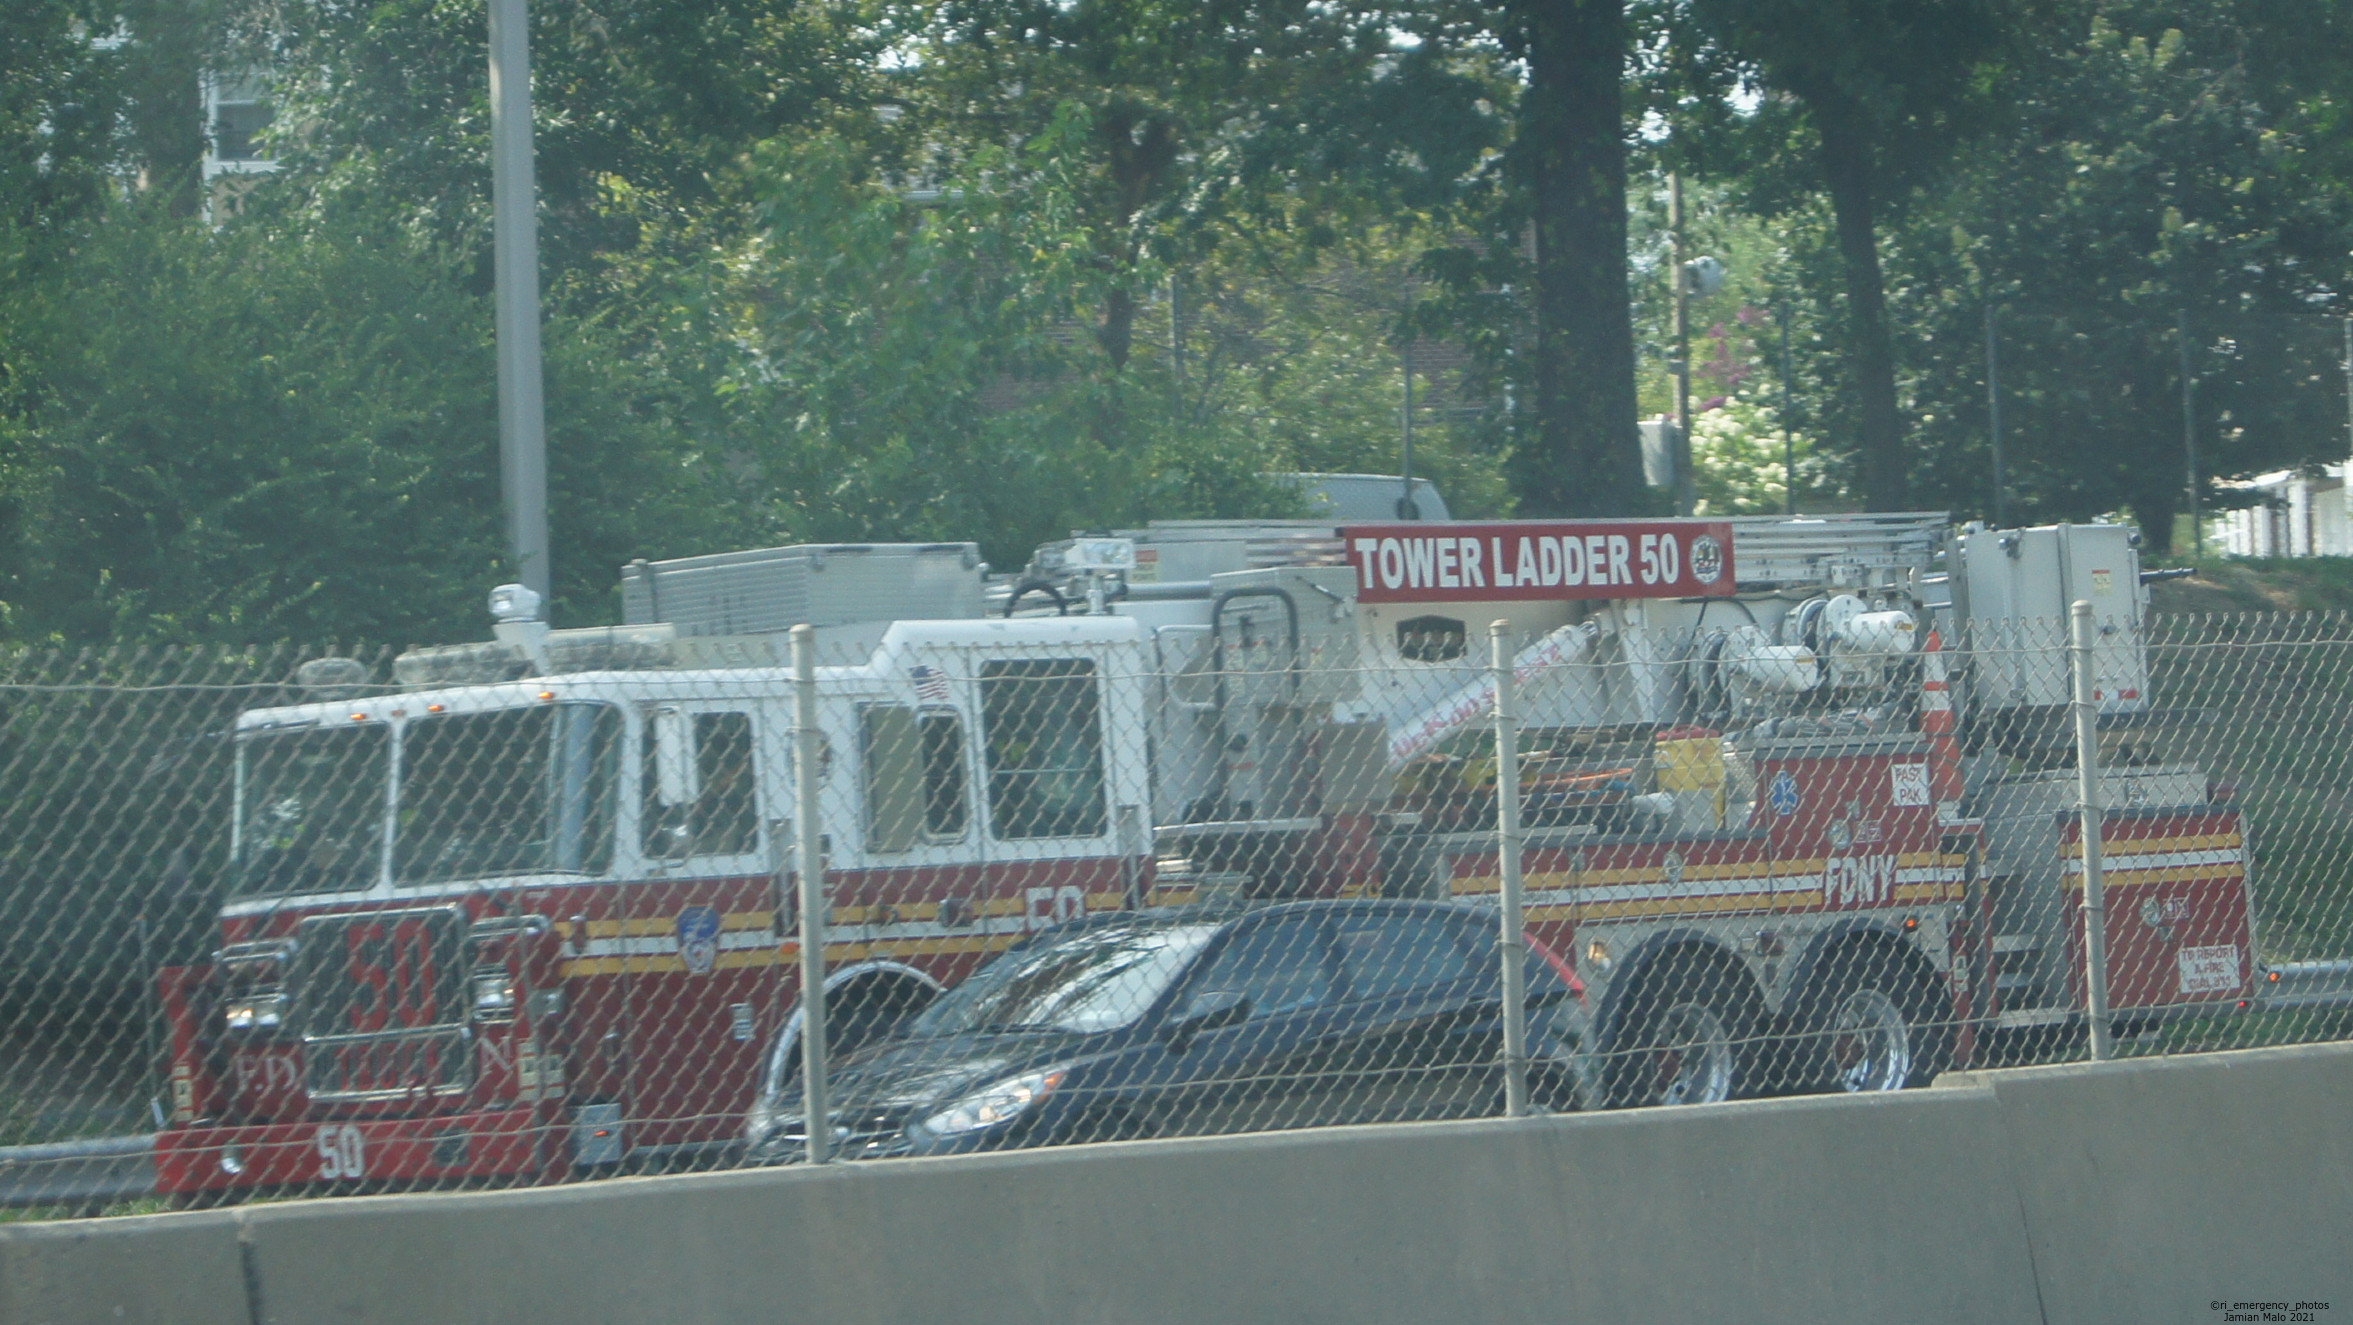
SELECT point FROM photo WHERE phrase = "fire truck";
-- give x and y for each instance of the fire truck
(1796, 794)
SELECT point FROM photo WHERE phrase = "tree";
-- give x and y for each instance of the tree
(921, 367)
(1274, 125)
(389, 103)
(244, 436)
(2155, 174)
(1886, 89)
(1569, 147)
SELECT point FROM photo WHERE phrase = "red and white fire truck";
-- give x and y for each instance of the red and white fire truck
(1795, 803)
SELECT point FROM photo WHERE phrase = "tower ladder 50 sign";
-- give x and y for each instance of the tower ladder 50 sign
(1538, 562)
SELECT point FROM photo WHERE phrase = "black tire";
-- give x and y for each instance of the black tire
(1870, 1020)
(1685, 1036)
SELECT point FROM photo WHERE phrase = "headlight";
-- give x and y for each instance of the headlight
(494, 996)
(995, 1106)
(256, 1014)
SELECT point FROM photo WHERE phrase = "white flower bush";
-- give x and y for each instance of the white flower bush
(1740, 467)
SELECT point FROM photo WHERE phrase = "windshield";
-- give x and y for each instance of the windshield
(1095, 979)
(511, 791)
(311, 809)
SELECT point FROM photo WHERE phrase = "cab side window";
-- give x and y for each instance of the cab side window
(715, 809)
(915, 785)
(1044, 735)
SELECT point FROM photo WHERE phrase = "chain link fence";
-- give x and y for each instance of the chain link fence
(340, 921)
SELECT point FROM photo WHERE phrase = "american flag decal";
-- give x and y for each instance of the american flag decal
(931, 685)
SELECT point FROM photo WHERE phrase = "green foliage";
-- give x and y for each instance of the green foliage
(898, 368)
(2148, 181)
(858, 269)
(385, 107)
(2148, 160)
(244, 435)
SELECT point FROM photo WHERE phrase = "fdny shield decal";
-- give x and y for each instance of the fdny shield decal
(698, 939)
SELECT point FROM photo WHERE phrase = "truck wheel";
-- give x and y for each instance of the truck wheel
(1562, 1076)
(1682, 1042)
(1873, 1025)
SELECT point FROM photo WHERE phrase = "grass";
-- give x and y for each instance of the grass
(145, 1205)
(2241, 1030)
(2255, 584)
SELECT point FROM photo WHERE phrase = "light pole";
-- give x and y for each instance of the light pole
(2189, 431)
(1681, 363)
(522, 413)
(1788, 428)
(1993, 415)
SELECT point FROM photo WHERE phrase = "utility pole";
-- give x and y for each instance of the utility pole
(2189, 430)
(1407, 508)
(1788, 421)
(1176, 347)
(1681, 363)
(522, 411)
(1993, 415)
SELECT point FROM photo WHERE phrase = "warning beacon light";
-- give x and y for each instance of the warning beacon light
(513, 602)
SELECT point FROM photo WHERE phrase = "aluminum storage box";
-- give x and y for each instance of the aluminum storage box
(822, 584)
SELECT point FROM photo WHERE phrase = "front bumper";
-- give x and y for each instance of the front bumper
(348, 1153)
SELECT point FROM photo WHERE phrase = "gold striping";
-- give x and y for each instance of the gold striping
(788, 953)
(1748, 903)
(657, 926)
(2110, 878)
(2149, 846)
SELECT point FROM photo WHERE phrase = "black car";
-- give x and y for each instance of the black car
(1180, 1022)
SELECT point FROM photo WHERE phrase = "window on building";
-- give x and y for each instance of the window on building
(237, 128)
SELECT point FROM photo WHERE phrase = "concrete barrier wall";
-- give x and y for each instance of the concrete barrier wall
(2048, 1194)
(2152, 1189)
(184, 1269)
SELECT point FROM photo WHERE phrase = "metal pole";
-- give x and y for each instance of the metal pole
(2349, 401)
(2087, 782)
(1680, 444)
(1176, 348)
(522, 413)
(809, 840)
(1407, 508)
(1511, 941)
(2189, 431)
(1788, 427)
(1993, 416)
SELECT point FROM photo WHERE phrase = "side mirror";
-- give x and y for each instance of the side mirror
(1208, 1011)
(674, 766)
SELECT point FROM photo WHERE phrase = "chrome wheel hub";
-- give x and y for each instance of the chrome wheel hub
(1870, 1042)
(1692, 1062)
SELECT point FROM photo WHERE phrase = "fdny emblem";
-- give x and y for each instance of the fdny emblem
(698, 939)
(1707, 559)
